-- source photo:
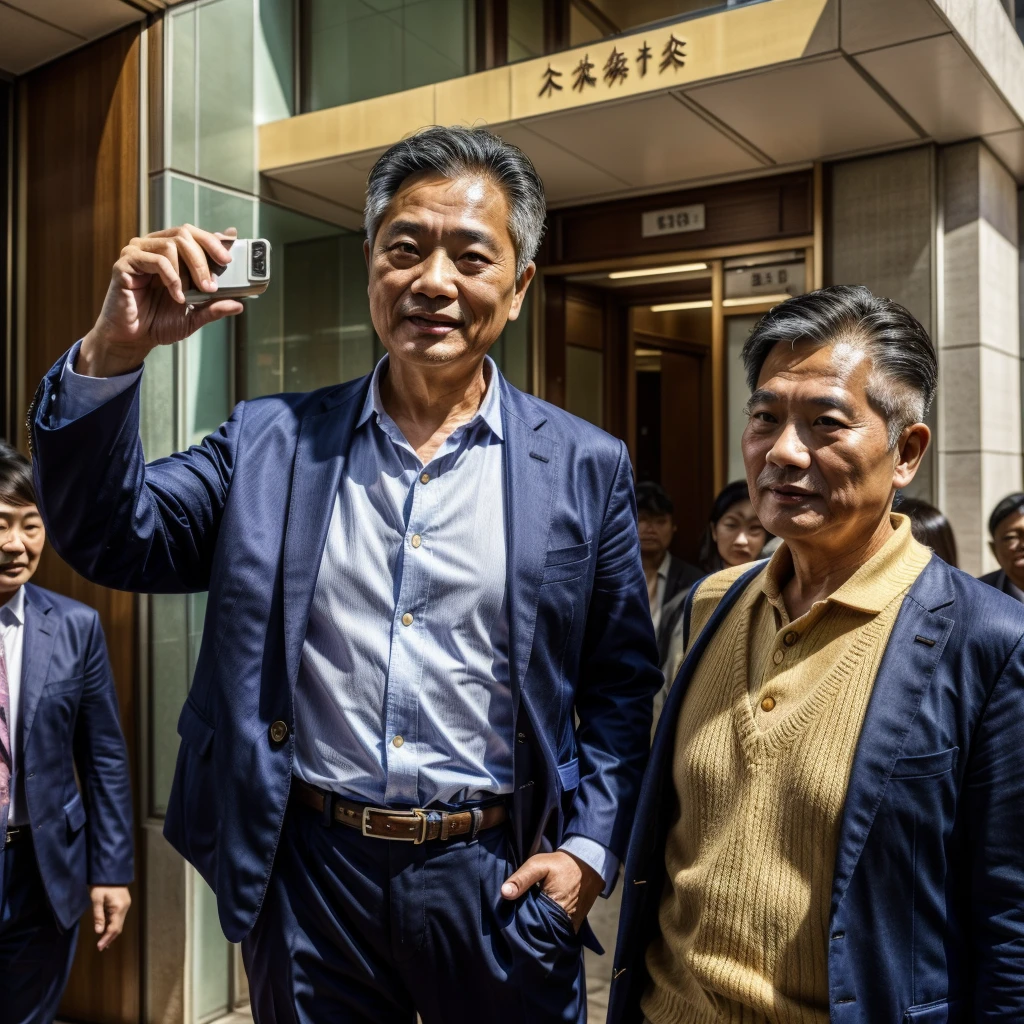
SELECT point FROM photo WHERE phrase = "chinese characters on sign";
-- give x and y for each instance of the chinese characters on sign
(765, 279)
(673, 221)
(616, 68)
(582, 74)
(550, 85)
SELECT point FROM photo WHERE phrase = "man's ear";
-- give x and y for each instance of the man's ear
(520, 293)
(912, 445)
(992, 548)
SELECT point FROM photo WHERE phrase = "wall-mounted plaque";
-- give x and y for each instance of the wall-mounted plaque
(673, 221)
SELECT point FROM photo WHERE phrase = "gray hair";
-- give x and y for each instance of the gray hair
(452, 152)
(905, 370)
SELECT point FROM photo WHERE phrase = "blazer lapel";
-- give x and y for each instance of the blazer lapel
(531, 469)
(915, 646)
(36, 654)
(321, 451)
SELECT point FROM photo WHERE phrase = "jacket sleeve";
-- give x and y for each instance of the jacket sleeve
(619, 676)
(995, 796)
(102, 763)
(114, 519)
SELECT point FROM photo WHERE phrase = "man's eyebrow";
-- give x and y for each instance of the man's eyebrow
(766, 396)
(831, 402)
(470, 235)
(762, 395)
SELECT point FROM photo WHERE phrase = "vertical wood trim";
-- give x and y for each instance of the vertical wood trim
(554, 341)
(10, 341)
(535, 364)
(20, 276)
(819, 226)
(154, 83)
(719, 398)
(630, 383)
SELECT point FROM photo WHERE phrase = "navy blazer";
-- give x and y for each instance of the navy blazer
(69, 720)
(245, 516)
(926, 922)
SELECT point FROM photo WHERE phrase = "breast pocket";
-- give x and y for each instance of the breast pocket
(925, 766)
(55, 687)
(564, 564)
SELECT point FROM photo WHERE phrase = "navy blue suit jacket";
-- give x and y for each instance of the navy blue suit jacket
(69, 720)
(927, 909)
(245, 516)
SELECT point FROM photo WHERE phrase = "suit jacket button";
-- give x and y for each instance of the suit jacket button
(279, 731)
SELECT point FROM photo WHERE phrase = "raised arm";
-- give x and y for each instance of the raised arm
(114, 519)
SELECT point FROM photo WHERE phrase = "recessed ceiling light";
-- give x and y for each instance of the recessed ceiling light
(679, 268)
(669, 307)
(750, 300)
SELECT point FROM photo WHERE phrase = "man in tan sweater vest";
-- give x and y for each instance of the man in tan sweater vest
(830, 829)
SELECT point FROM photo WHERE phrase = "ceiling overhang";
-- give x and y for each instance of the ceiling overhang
(758, 89)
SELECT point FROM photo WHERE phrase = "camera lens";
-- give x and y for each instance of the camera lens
(259, 259)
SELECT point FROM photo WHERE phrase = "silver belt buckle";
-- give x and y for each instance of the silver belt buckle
(416, 812)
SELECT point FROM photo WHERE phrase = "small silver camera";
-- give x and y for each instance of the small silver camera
(246, 276)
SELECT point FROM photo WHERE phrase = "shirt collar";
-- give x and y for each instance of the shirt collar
(489, 411)
(880, 580)
(14, 609)
(666, 562)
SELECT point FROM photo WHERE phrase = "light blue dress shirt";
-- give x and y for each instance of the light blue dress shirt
(403, 696)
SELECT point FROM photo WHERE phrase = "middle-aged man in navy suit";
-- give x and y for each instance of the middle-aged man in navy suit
(831, 826)
(61, 847)
(421, 711)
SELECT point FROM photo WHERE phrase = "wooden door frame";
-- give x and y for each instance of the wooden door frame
(548, 342)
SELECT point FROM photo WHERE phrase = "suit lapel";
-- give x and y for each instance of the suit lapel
(903, 677)
(320, 454)
(531, 469)
(36, 654)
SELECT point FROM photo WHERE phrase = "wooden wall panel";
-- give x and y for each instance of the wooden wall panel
(81, 206)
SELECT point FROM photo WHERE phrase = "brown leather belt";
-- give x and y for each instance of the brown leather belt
(419, 825)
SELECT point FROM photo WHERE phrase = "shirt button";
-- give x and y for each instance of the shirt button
(790, 638)
(407, 619)
(398, 741)
(768, 704)
(279, 731)
(777, 657)
(424, 478)
(417, 540)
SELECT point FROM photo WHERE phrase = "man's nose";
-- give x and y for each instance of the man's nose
(11, 543)
(789, 449)
(436, 278)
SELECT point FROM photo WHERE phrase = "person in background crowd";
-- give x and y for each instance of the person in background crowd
(1006, 528)
(666, 574)
(830, 826)
(930, 527)
(61, 849)
(734, 536)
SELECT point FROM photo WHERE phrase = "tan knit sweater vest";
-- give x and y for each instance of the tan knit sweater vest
(764, 745)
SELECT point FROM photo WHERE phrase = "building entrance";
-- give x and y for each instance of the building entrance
(651, 353)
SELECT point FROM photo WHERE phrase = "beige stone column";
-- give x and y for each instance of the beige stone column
(979, 416)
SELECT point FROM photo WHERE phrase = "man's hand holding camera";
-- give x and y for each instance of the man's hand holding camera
(145, 304)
